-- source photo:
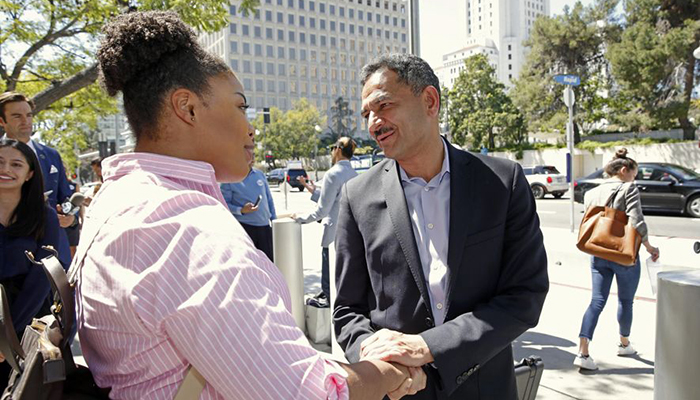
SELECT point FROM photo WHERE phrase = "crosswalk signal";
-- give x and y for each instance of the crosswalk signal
(266, 115)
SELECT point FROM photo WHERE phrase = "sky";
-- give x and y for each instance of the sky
(443, 27)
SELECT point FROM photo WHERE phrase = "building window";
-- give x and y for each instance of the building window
(290, 19)
(280, 34)
(332, 9)
(246, 48)
(259, 85)
(312, 6)
(301, 4)
(291, 36)
(302, 37)
(352, 29)
(396, 21)
(270, 68)
(282, 86)
(233, 28)
(403, 38)
(509, 47)
(342, 27)
(268, 33)
(369, 17)
(332, 26)
(361, 30)
(341, 11)
(246, 30)
(302, 21)
(257, 31)
(322, 8)
(246, 69)
(369, 31)
(280, 18)
(312, 22)
(281, 69)
(302, 55)
(247, 84)
(313, 39)
(232, 10)
(360, 15)
(323, 24)
(323, 40)
(234, 47)
(509, 56)
(333, 41)
(292, 53)
(258, 50)
(290, 3)
(351, 12)
(270, 51)
(510, 66)
(258, 67)
(386, 20)
(280, 52)
(268, 16)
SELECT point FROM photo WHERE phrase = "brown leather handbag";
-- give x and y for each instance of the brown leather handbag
(606, 233)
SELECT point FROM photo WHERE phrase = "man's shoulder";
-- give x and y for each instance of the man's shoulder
(479, 162)
(46, 149)
(370, 178)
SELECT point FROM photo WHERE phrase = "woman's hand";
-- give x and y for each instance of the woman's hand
(653, 251)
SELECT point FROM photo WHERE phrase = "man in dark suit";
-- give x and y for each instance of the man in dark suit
(16, 114)
(440, 259)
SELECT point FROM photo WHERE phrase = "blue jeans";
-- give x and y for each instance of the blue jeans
(602, 272)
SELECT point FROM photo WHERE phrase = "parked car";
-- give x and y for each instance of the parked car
(545, 179)
(662, 187)
(277, 176)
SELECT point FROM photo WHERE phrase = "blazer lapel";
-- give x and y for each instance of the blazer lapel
(401, 221)
(463, 193)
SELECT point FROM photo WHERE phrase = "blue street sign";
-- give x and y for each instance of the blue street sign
(572, 80)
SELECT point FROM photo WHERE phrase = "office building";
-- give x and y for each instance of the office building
(314, 49)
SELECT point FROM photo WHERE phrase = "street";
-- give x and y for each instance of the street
(554, 213)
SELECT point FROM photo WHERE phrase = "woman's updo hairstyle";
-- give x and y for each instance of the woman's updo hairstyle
(146, 55)
(619, 160)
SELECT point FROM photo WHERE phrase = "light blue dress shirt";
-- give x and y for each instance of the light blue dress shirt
(429, 209)
(247, 191)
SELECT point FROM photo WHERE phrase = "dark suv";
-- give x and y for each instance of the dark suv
(277, 176)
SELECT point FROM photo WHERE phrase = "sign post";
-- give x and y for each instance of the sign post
(569, 100)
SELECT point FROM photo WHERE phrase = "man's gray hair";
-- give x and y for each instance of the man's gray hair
(411, 70)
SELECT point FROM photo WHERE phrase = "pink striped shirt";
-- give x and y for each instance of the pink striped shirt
(172, 279)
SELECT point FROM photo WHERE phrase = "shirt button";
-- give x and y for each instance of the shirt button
(430, 226)
(426, 189)
(439, 306)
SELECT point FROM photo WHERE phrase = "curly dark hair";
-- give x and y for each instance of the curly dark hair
(146, 55)
(411, 70)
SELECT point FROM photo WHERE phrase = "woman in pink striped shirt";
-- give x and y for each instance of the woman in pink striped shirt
(166, 276)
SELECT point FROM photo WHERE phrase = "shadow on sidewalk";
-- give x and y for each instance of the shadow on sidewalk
(548, 347)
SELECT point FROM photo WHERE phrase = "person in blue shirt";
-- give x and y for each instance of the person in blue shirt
(26, 224)
(253, 215)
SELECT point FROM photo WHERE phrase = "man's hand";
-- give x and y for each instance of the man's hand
(249, 208)
(392, 346)
(412, 385)
(307, 183)
(66, 220)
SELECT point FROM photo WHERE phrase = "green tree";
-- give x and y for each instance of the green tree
(47, 51)
(291, 134)
(478, 108)
(654, 66)
(571, 43)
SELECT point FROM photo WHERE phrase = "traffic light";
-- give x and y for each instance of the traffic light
(102, 148)
(266, 115)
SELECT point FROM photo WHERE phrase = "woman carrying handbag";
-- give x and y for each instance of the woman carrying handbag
(619, 193)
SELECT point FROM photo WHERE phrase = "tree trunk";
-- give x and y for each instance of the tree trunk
(61, 89)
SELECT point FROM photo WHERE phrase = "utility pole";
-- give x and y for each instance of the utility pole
(413, 28)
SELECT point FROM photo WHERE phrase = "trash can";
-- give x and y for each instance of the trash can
(286, 239)
(677, 333)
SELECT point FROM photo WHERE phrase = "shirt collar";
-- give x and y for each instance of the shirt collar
(440, 176)
(166, 166)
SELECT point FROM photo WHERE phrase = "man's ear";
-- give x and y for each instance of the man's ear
(183, 103)
(431, 99)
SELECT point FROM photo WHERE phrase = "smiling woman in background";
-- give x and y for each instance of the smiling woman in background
(26, 223)
(166, 276)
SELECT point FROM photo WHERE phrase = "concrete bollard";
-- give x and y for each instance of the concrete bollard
(286, 239)
(677, 333)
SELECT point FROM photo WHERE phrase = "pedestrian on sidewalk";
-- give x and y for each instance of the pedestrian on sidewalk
(622, 171)
(328, 207)
(250, 202)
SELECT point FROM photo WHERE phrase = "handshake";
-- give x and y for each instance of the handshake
(407, 353)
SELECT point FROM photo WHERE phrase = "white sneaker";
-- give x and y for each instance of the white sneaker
(625, 350)
(585, 362)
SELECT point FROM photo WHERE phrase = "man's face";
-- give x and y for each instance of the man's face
(18, 121)
(396, 118)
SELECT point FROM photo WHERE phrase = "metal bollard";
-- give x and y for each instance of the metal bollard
(286, 239)
(677, 332)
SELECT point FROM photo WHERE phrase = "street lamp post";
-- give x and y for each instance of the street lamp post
(318, 130)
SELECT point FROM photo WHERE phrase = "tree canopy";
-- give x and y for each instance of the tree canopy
(479, 110)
